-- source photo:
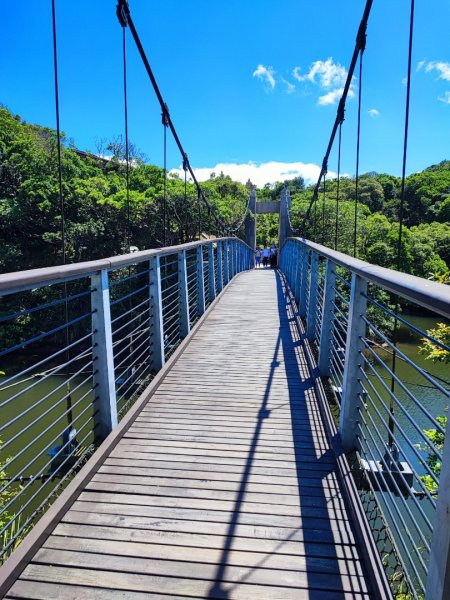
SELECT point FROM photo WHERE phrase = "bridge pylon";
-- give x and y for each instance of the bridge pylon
(250, 220)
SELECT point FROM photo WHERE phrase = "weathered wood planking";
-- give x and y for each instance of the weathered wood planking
(224, 486)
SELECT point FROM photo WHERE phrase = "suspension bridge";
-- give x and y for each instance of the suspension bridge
(202, 429)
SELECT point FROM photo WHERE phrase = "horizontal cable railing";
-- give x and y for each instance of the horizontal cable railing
(80, 343)
(390, 404)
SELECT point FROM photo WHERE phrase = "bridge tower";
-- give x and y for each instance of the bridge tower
(250, 219)
(282, 207)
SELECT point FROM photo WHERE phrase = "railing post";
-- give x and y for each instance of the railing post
(302, 307)
(226, 262)
(351, 384)
(438, 579)
(183, 296)
(234, 252)
(200, 282)
(312, 298)
(102, 355)
(219, 267)
(157, 358)
(211, 278)
(326, 330)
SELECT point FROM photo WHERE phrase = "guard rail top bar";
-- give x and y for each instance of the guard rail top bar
(429, 294)
(11, 283)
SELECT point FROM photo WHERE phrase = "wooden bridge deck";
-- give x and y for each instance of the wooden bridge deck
(224, 486)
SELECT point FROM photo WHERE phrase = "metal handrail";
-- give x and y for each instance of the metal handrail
(430, 294)
(10, 283)
(384, 419)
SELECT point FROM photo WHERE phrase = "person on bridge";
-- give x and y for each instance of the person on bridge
(265, 256)
(273, 256)
(258, 258)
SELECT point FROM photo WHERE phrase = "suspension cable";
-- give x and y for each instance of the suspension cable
(127, 148)
(165, 124)
(391, 423)
(323, 206)
(124, 16)
(358, 137)
(61, 203)
(361, 35)
(338, 182)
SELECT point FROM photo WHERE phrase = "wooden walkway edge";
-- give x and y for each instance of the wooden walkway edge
(221, 482)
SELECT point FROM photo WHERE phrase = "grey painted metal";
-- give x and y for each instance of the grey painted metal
(351, 385)
(200, 282)
(284, 230)
(304, 282)
(267, 208)
(211, 274)
(438, 580)
(311, 315)
(11, 283)
(183, 296)
(102, 354)
(226, 262)
(250, 221)
(219, 267)
(326, 330)
(430, 294)
(157, 358)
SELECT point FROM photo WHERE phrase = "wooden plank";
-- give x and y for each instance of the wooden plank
(37, 590)
(86, 525)
(173, 586)
(182, 571)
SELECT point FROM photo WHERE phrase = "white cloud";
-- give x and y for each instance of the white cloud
(333, 96)
(445, 98)
(373, 112)
(442, 67)
(404, 80)
(266, 74)
(420, 64)
(329, 76)
(260, 173)
(326, 73)
(290, 87)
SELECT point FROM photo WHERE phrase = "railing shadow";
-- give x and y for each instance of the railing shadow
(313, 472)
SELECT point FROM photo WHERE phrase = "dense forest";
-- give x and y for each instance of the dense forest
(97, 205)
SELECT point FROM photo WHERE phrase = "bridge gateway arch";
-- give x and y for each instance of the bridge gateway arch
(255, 208)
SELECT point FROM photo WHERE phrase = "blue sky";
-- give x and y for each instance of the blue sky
(252, 86)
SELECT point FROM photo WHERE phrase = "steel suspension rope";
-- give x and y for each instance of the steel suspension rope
(361, 35)
(61, 200)
(125, 19)
(127, 148)
(165, 124)
(338, 180)
(358, 138)
(323, 206)
(401, 216)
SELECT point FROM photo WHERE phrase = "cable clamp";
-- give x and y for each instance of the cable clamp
(185, 163)
(361, 37)
(123, 12)
(165, 115)
(341, 111)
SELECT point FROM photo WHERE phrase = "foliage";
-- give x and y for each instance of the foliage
(433, 351)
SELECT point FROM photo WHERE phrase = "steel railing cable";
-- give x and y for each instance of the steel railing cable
(362, 43)
(340, 111)
(401, 216)
(125, 19)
